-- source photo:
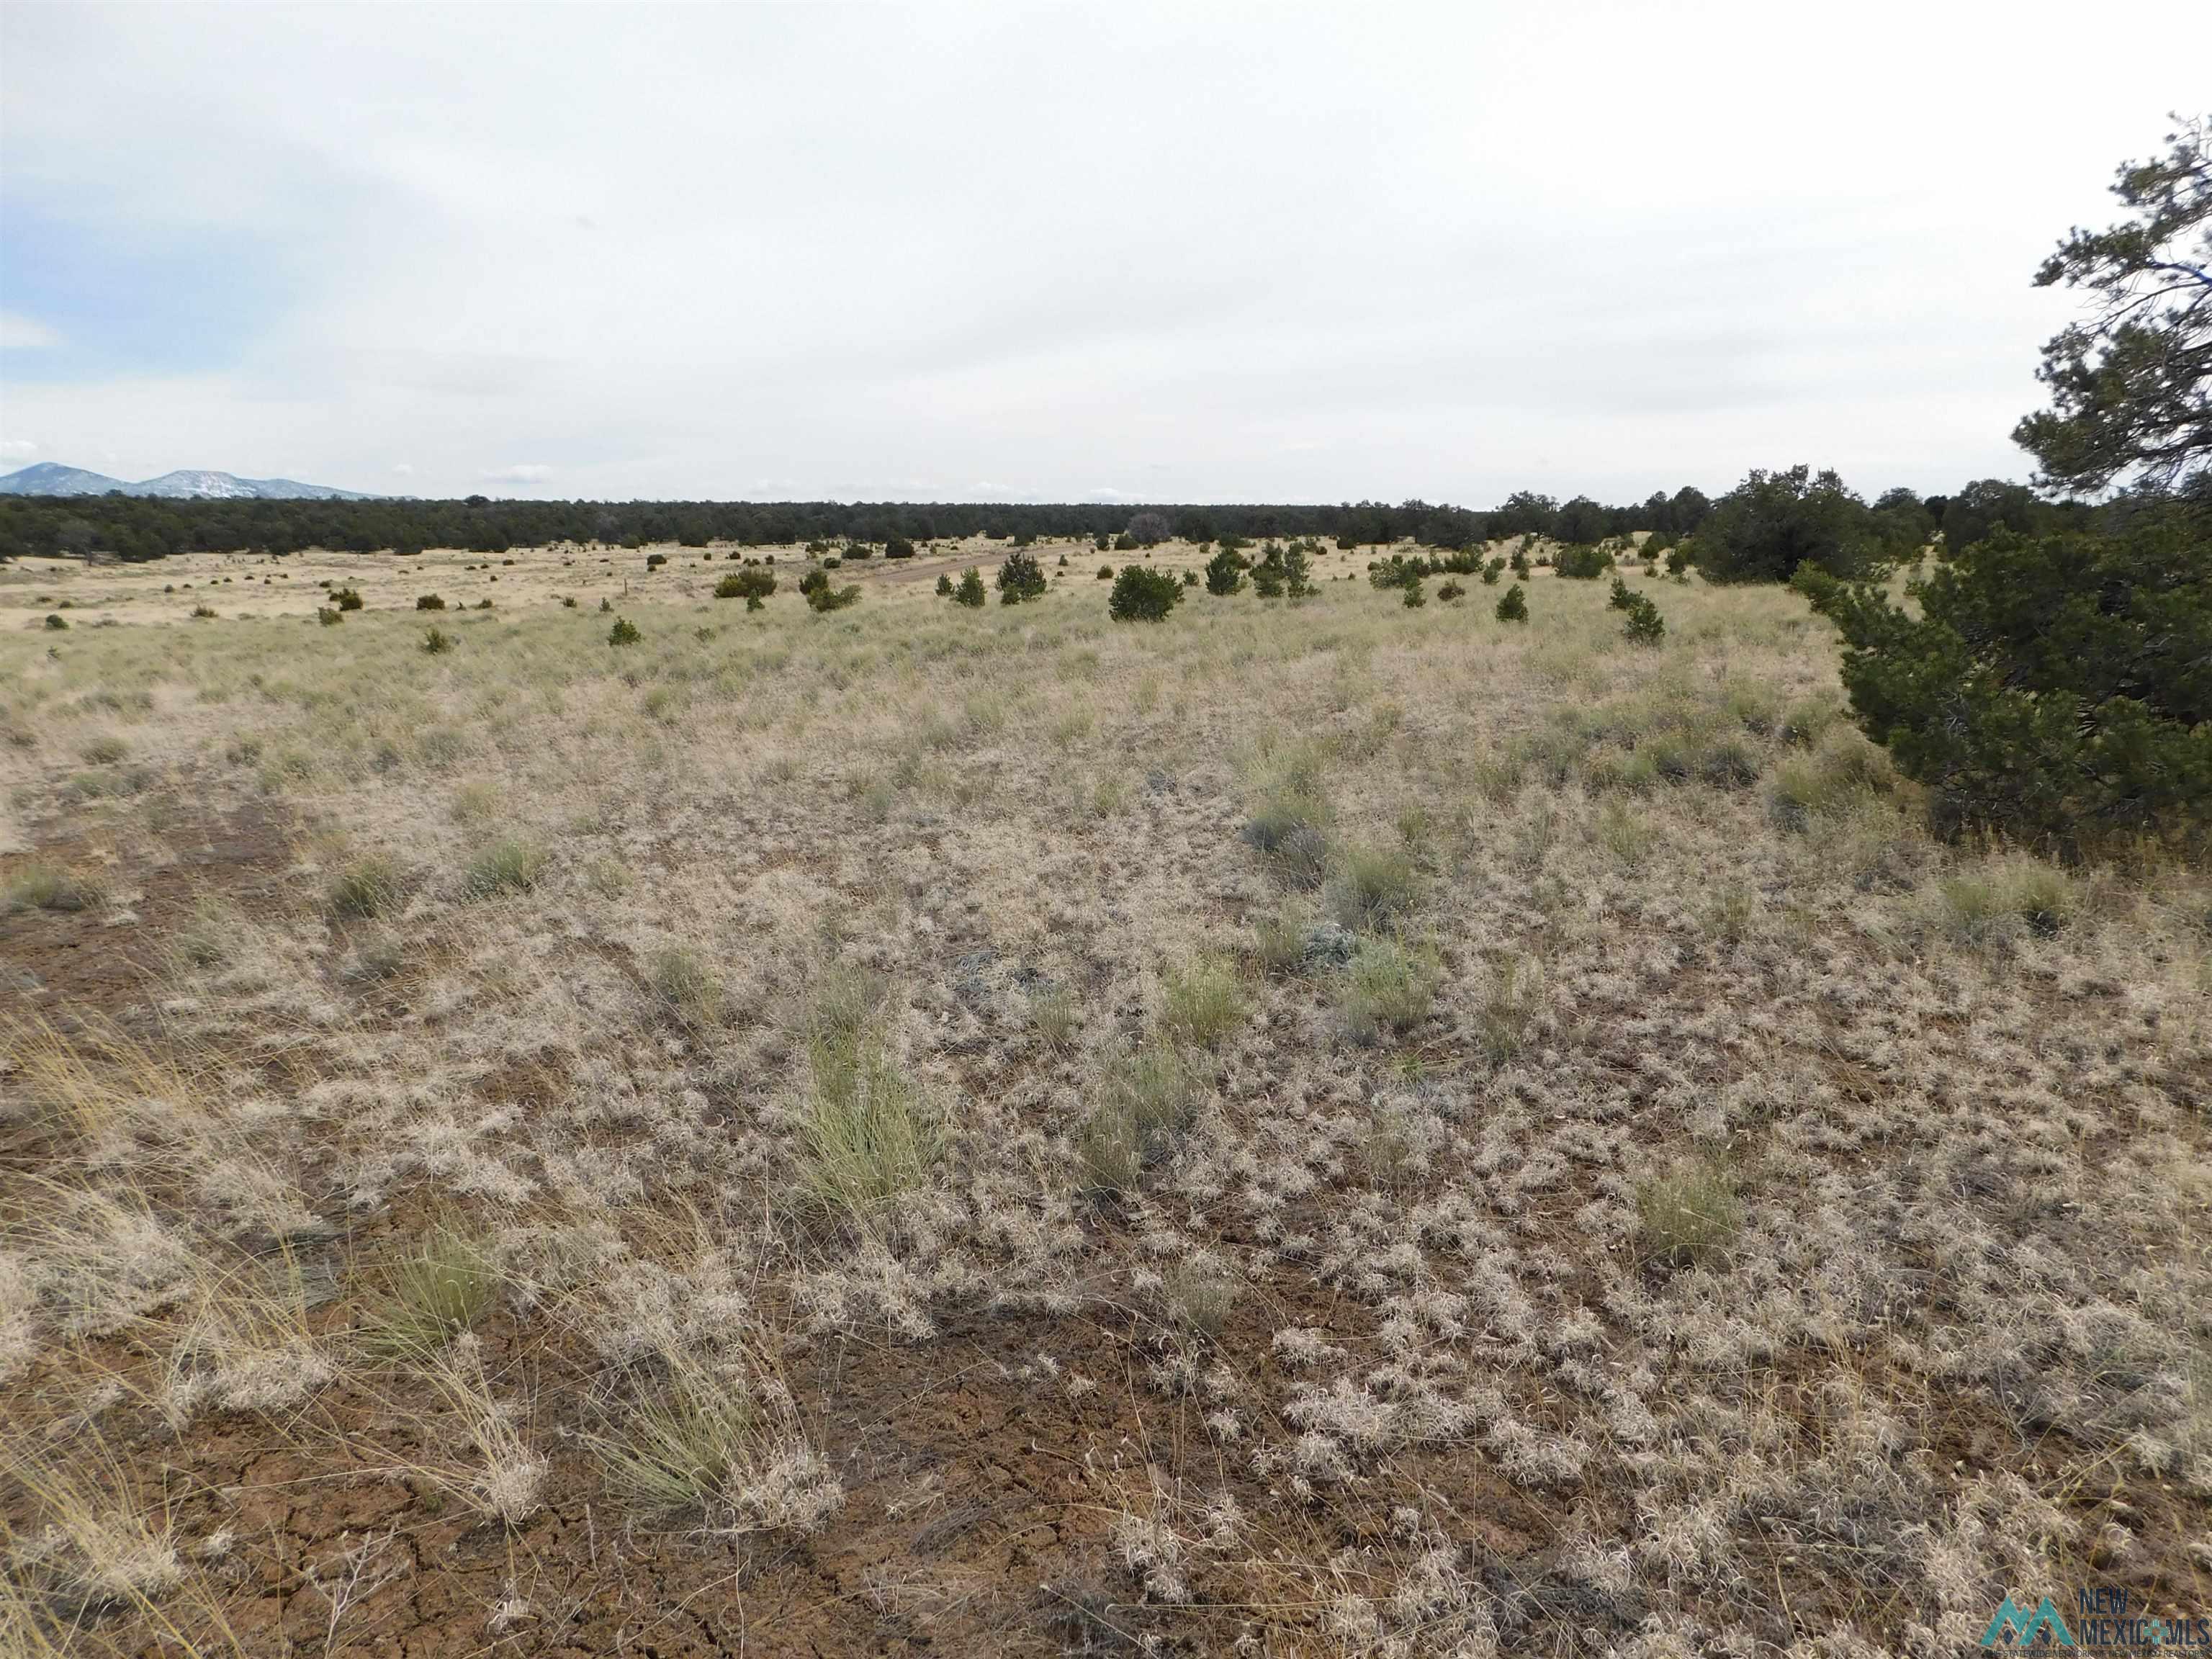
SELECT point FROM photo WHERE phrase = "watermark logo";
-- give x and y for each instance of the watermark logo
(2017, 1628)
(2104, 1622)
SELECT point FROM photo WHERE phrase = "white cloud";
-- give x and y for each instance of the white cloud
(17, 449)
(404, 469)
(1565, 248)
(22, 333)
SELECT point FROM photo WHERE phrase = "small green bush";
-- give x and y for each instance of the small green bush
(969, 590)
(437, 641)
(203, 613)
(1224, 573)
(1514, 606)
(1020, 577)
(1141, 594)
(1451, 591)
(1583, 564)
(624, 632)
(346, 598)
(1644, 625)
(750, 582)
(57, 623)
(2051, 689)
(328, 615)
(827, 598)
(429, 602)
(944, 585)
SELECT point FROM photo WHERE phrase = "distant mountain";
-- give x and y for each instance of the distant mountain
(49, 478)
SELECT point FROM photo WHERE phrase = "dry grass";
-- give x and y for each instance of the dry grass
(1329, 1127)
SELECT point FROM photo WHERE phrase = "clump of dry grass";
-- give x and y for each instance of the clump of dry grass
(92, 1550)
(869, 1134)
(1508, 1006)
(1146, 1100)
(39, 886)
(710, 1441)
(1373, 885)
(1202, 1001)
(1688, 1212)
(511, 865)
(1388, 988)
(2004, 897)
(368, 886)
(1055, 1016)
(685, 988)
(1199, 1298)
(440, 1288)
(1289, 826)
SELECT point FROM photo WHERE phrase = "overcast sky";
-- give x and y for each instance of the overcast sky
(1189, 253)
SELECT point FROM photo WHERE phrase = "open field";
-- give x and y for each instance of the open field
(1324, 1128)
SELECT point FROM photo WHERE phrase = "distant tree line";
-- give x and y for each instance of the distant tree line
(140, 527)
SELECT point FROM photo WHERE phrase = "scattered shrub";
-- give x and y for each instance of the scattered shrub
(969, 590)
(1644, 625)
(328, 615)
(943, 584)
(826, 597)
(1143, 595)
(2051, 689)
(1224, 573)
(1514, 606)
(752, 583)
(429, 602)
(437, 641)
(346, 598)
(1020, 577)
(58, 623)
(1451, 591)
(1583, 564)
(203, 613)
(1105, 573)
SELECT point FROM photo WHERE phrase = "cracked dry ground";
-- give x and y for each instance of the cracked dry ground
(1421, 1136)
